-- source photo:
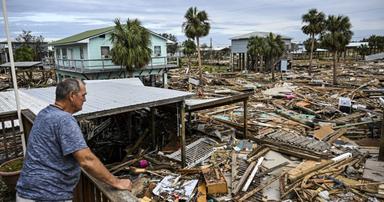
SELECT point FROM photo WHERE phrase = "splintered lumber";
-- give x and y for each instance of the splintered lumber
(244, 177)
(306, 167)
(215, 181)
(260, 187)
(323, 132)
(272, 169)
(202, 192)
(334, 136)
(222, 110)
(295, 152)
(349, 117)
(258, 154)
(234, 168)
(254, 171)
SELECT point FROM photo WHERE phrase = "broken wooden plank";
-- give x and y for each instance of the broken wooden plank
(244, 177)
(334, 136)
(215, 181)
(254, 171)
(323, 132)
(257, 189)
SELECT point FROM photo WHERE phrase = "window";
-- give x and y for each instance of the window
(58, 53)
(105, 53)
(157, 50)
(64, 52)
(81, 53)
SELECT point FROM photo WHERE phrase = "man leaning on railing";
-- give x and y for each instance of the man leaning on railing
(56, 150)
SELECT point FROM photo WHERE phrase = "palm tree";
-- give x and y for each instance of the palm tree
(337, 35)
(363, 50)
(274, 49)
(315, 25)
(256, 46)
(131, 44)
(196, 25)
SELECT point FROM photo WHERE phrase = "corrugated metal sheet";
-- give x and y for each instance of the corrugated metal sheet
(102, 95)
(22, 64)
(259, 34)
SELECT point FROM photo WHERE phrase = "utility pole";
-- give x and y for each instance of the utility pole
(13, 72)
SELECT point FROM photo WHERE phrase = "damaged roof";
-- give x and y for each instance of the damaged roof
(258, 34)
(104, 97)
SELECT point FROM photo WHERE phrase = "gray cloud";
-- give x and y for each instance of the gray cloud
(55, 19)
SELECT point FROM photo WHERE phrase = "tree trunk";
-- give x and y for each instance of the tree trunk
(199, 59)
(189, 73)
(311, 54)
(334, 68)
(272, 66)
(262, 69)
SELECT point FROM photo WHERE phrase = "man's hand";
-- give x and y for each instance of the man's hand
(125, 184)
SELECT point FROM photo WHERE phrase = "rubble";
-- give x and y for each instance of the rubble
(305, 139)
(302, 144)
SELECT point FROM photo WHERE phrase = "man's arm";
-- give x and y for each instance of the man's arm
(90, 163)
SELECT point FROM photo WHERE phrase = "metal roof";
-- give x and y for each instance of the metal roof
(104, 97)
(23, 64)
(94, 32)
(357, 44)
(259, 34)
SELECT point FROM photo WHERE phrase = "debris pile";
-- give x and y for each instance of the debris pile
(306, 139)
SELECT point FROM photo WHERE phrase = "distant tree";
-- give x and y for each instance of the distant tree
(196, 25)
(376, 43)
(25, 36)
(34, 42)
(274, 49)
(363, 50)
(171, 48)
(315, 24)
(131, 44)
(336, 37)
(256, 49)
(24, 53)
(189, 48)
(308, 45)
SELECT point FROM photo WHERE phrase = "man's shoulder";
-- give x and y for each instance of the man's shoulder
(53, 114)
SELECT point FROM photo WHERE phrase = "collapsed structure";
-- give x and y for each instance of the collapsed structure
(247, 138)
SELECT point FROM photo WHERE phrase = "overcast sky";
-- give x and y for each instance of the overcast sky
(55, 19)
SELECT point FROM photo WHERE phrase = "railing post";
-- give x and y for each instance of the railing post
(82, 66)
(102, 63)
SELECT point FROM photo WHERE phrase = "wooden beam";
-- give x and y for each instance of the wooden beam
(219, 102)
(245, 112)
(243, 178)
(381, 151)
(181, 127)
(153, 127)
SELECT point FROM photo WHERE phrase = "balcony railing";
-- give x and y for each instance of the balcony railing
(100, 65)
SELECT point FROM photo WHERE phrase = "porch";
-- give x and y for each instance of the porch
(96, 69)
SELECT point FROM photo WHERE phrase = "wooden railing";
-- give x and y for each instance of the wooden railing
(87, 190)
(90, 189)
